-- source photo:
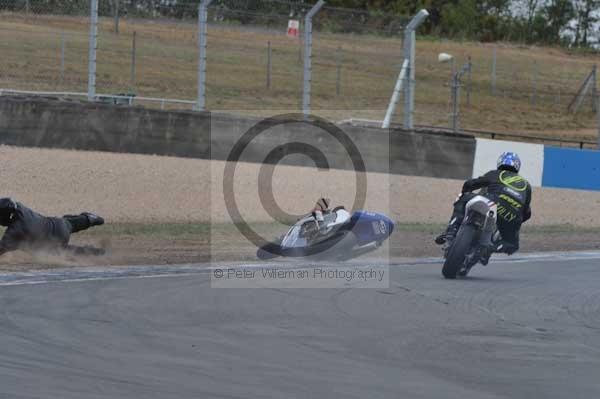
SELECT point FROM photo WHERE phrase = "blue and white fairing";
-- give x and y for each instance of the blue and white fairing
(340, 235)
(371, 227)
(333, 221)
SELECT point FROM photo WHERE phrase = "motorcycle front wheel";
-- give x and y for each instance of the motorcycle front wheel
(268, 251)
(457, 252)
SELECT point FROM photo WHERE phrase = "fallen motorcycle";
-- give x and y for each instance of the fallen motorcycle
(340, 236)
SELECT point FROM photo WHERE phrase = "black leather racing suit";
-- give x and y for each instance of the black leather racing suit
(27, 229)
(511, 192)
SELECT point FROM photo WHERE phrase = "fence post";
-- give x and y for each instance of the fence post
(594, 88)
(456, 83)
(133, 57)
(27, 6)
(269, 64)
(455, 94)
(515, 82)
(494, 71)
(116, 15)
(338, 71)
(202, 21)
(469, 81)
(92, 46)
(308, 56)
(299, 42)
(409, 54)
(62, 57)
(534, 84)
(560, 79)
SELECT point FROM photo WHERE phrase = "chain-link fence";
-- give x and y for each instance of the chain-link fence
(43, 46)
(507, 88)
(148, 49)
(151, 49)
(255, 60)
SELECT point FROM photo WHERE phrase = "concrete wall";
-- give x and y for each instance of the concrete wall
(532, 155)
(544, 166)
(35, 122)
(431, 155)
(90, 126)
(38, 122)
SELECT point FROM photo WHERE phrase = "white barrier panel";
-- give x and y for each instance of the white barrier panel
(532, 158)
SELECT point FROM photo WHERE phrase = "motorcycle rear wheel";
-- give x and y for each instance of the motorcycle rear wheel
(457, 252)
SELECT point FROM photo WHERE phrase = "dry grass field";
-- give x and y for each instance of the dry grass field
(166, 66)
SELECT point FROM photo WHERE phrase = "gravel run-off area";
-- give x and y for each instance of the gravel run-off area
(143, 189)
(158, 189)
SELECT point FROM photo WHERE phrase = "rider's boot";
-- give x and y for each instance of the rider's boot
(450, 233)
(495, 246)
(94, 219)
(486, 254)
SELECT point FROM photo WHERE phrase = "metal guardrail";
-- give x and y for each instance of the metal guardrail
(98, 97)
(518, 136)
(526, 137)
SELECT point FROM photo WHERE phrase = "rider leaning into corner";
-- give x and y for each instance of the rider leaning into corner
(29, 230)
(512, 194)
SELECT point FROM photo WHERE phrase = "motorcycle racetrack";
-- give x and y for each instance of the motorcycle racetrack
(521, 327)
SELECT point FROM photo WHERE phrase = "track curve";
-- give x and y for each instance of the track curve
(521, 329)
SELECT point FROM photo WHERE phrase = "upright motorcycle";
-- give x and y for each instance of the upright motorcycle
(474, 238)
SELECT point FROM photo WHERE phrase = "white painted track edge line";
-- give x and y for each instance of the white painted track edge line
(81, 274)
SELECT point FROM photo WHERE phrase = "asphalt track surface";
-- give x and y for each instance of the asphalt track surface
(521, 329)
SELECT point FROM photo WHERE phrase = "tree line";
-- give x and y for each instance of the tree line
(553, 22)
(571, 23)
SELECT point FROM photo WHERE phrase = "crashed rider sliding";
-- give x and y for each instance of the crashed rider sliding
(512, 194)
(321, 208)
(319, 213)
(28, 230)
